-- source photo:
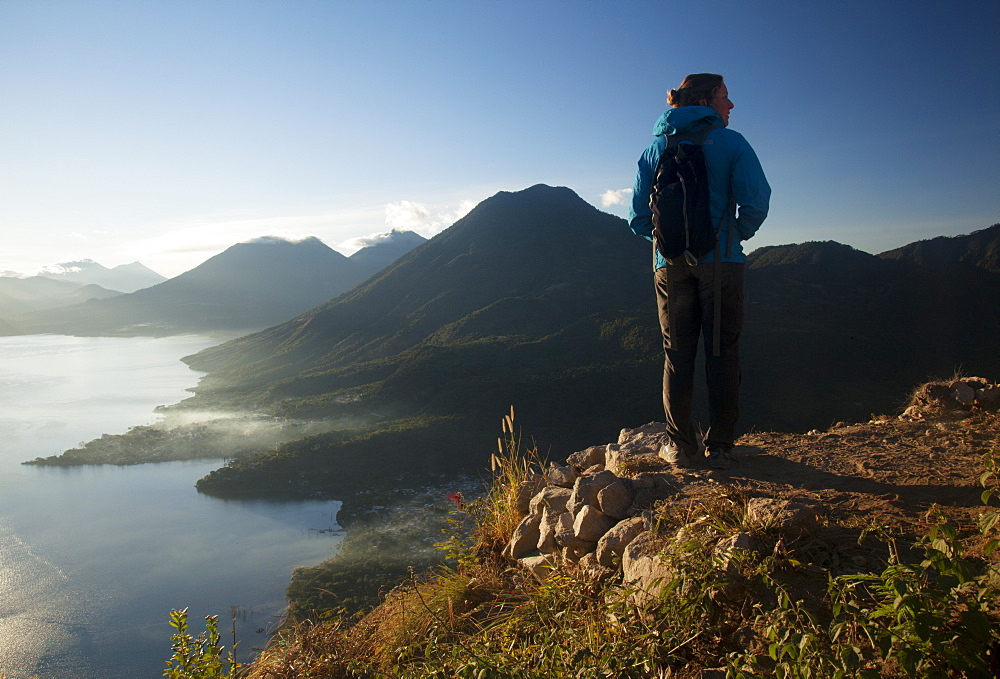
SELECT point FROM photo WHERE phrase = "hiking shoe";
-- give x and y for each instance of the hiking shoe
(719, 459)
(675, 455)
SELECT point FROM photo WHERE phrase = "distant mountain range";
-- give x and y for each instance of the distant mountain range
(249, 286)
(539, 300)
(122, 278)
(20, 295)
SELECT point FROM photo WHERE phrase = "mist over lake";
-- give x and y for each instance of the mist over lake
(92, 559)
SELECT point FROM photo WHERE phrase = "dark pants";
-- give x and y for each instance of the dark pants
(686, 299)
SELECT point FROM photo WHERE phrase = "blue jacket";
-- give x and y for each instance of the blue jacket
(732, 166)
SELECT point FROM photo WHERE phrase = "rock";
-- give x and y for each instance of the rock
(586, 488)
(566, 535)
(782, 514)
(585, 459)
(575, 554)
(988, 395)
(590, 524)
(561, 476)
(592, 569)
(964, 394)
(648, 438)
(527, 490)
(643, 569)
(552, 522)
(525, 537)
(657, 430)
(553, 497)
(612, 544)
(540, 566)
(613, 459)
(615, 499)
(648, 488)
(726, 551)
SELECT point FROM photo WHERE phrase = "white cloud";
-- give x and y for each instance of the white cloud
(407, 215)
(613, 197)
(60, 269)
(352, 245)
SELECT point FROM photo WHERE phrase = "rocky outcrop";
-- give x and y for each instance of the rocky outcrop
(958, 396)
(596, 513)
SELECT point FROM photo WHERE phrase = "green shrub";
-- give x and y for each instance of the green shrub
(199, 657)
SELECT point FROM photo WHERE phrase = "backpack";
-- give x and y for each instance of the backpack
(682, 223)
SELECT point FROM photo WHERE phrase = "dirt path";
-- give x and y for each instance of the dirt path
(884, 474)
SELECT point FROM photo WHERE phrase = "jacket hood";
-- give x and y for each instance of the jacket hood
(685, 119)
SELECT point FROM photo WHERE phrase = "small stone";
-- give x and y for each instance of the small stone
(553, 497)
(585, 459)
(552, 523)
(613, 458)
(540, 565)
(575, 554)
(989, 394)
(726, 551)
(643, 569)
(566, 536)
(525, 538)
(614, 499)
(590, 524)
(586, 488)
(964, 394)
(612, 544)
(593, 570)
(785, 514)
(527, 490)
(561, 476)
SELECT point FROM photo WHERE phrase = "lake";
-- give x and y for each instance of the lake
(92, 559)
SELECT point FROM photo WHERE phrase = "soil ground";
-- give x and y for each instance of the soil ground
(885, 475)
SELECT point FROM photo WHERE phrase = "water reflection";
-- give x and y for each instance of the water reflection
(93, 558)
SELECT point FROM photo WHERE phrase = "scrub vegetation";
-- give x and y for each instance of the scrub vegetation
(847, 598)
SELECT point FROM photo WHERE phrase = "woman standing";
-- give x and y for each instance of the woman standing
(704, 298)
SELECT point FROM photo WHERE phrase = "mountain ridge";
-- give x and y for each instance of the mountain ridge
(122, 278)
(247, 287)
(569, 335)
(20, 295)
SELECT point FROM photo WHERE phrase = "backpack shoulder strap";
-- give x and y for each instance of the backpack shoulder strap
(696, 137)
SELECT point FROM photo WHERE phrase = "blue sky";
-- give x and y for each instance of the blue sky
(166, 130)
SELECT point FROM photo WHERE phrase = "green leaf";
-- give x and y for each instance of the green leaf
(908, 660)
(885, 644)
(924, 624)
